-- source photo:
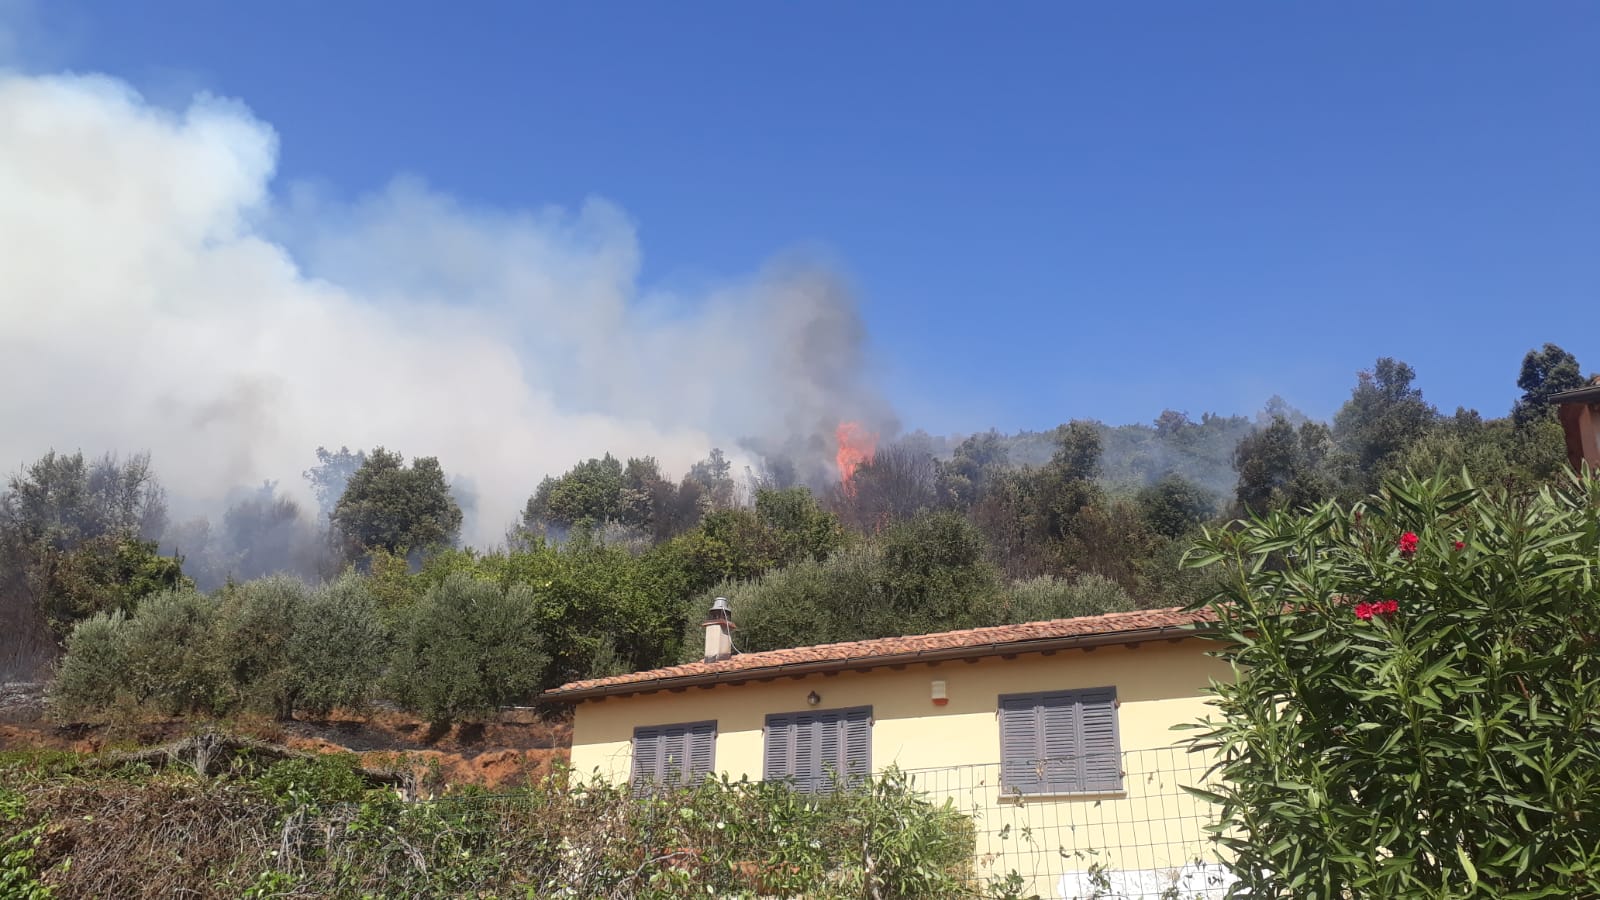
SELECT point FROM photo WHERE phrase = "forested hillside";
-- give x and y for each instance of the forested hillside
(280, 609)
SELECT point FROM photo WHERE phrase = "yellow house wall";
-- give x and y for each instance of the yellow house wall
(1150, 825)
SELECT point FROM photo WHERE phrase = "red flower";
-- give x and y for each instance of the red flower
(1408, 543)
(1365, 610)
(1461, 545)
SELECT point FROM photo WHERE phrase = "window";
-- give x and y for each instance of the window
(1060, 742)
(672, 755)
(816, 750)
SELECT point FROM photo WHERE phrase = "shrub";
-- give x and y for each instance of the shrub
(1416, 703)
(308, 829)
(253, 632)
(1048, 597)
(171, 663)
(339, 647)
(469, 647)
(162, 658)
(90, 676)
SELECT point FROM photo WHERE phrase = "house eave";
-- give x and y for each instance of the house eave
(814, 667)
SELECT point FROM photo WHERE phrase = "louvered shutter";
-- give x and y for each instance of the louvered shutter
(830, 770)
(646, 760)
(778, 760)
(701, 755)
(805, 764)
(674, 750)
(1100, 747)
(1059, 743)
(812, 749)
(1019, 745)
(856, 762)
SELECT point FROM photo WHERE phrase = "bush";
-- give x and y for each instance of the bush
(308, 829)
(339, 648)
(469, 647)
(91, 675)
(161, 658)
(253, 633)
(171, 663)
(1416, 703)
(926, 574)
(1048, 597)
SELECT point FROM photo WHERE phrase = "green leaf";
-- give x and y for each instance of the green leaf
(1466, 863)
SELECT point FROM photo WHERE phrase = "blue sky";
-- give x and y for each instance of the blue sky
(1050, 210)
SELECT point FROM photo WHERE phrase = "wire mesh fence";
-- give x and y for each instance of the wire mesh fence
(1147, 840)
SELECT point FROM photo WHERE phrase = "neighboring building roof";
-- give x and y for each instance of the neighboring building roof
(1589, 393)
(1030, 637)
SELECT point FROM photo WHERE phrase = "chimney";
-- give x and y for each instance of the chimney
(719, 631)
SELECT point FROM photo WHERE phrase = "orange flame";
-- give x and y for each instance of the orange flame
(856, 448)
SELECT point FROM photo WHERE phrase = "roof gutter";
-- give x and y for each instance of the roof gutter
(813, 667)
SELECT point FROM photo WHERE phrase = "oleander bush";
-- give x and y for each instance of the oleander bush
(1416, 704)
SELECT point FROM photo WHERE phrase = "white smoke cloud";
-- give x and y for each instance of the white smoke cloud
(157, 292)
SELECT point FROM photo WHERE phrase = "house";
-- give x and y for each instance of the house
(1057, 736)
(1579, 410)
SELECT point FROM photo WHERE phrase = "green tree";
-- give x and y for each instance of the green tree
(977, 461)
(929, 573)
(181, 653)
(714, 476)
(255, 626)
(390, 506)
(1048, 597)
(470, 647)
(799, 526)
(75, 539)
(331, 474)
(1413, 710)
(1384, 415)
(1544, 372)
(587, 495)
(172, 665)
(1174, 505)
(103, 574)
(91, 676)
(1280, 466)
(338, 647)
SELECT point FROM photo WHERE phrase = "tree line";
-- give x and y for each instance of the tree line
(613, 562)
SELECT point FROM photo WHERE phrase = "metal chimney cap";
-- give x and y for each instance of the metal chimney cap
(720, 605)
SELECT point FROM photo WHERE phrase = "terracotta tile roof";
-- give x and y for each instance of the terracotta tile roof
(1128, 627)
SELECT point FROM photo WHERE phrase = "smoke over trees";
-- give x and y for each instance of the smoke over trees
(231, 321)
(615, 559)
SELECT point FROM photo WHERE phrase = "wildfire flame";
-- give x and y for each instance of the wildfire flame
(856, 447)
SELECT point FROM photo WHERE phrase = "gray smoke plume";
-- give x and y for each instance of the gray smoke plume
(162, 292)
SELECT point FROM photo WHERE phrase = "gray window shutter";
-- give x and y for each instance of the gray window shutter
(1060, 742)
(857, 761)
(1100, 747)
(778, 759)
(814, 749)
(830, 752)
(672, 755)
(1019, 745)
(804, 764)
(646, 760)
(702, 753)
(674, 750)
